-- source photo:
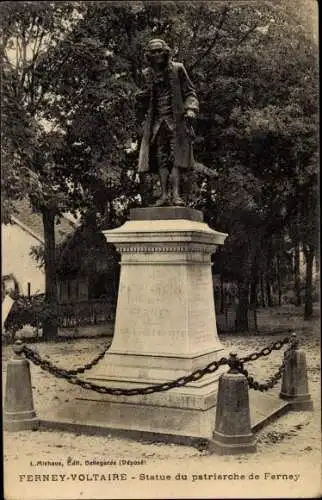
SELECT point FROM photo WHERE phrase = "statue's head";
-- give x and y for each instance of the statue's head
(157, 53)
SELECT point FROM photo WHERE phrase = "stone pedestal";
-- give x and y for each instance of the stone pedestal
(165, 324)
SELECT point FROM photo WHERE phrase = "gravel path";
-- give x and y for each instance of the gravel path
(290, 445)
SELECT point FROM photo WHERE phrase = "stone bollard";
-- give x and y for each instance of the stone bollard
(19, 413)
(233, 429)
(295, 388)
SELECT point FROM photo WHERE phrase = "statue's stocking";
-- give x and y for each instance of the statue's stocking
(164, 176)
(175, 177)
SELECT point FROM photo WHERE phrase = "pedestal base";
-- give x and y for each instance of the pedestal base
(185, 411)
(179, 416)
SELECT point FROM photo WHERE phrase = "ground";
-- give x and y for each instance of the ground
(290, 445)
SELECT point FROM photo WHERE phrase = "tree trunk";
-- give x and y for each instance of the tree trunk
(254, 282)
(222, 296)
(50, 329)
(268, 274)
(253, 294)
(269, 293)
(279, 284)
(262, 290)
(253, 301)
(297, 278)
(308, 306)
(241, 323)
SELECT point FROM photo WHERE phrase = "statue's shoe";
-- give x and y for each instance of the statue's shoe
(178, 201)
(164, 200)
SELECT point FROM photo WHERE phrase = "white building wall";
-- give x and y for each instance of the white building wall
(16, 246)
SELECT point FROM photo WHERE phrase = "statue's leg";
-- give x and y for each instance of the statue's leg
(175, 177)
(175, 172)
(164, 176)
(163, 159)
(146, 189)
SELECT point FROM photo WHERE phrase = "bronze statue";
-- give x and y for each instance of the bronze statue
(172, 105)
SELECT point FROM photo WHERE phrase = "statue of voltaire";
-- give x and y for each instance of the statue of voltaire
(171, 107)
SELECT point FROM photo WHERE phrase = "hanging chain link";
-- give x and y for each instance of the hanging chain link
(271, 381)
(266, 351)
(234, 362)
(76, 371)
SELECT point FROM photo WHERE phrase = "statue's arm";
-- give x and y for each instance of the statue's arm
(190, 99)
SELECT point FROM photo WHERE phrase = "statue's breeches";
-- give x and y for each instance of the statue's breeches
(163, 142)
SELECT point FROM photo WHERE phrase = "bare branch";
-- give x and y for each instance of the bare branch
(45, 88)
(37, 49)
(196, 28)
(24, 65)
(246, 35)
(238, 44)
(29, 73)
(5, 38)
(38, 42)
(223, 18)
(17, 55)
(24, 49)
(5, 57)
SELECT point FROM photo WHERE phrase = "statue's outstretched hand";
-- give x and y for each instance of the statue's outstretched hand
(190, 115)
(189, 118)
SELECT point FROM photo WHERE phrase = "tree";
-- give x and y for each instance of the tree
(31, 146)
(265, 124)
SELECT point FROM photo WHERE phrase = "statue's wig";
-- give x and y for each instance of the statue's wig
(157, 42)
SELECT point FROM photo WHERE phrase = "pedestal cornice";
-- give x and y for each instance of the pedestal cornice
(165, 235)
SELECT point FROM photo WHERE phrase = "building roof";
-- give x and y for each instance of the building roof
(32, 222)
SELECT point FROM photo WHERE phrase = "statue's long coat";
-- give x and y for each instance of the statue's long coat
(183, 98)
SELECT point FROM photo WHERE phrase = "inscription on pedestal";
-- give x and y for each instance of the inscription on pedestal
(152, 309)
(165, 309)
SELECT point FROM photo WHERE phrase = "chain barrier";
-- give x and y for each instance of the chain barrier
(117, 391)
(233, 362)
(75, 371)
(237, 363)
(266, 351)
(272, 381)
